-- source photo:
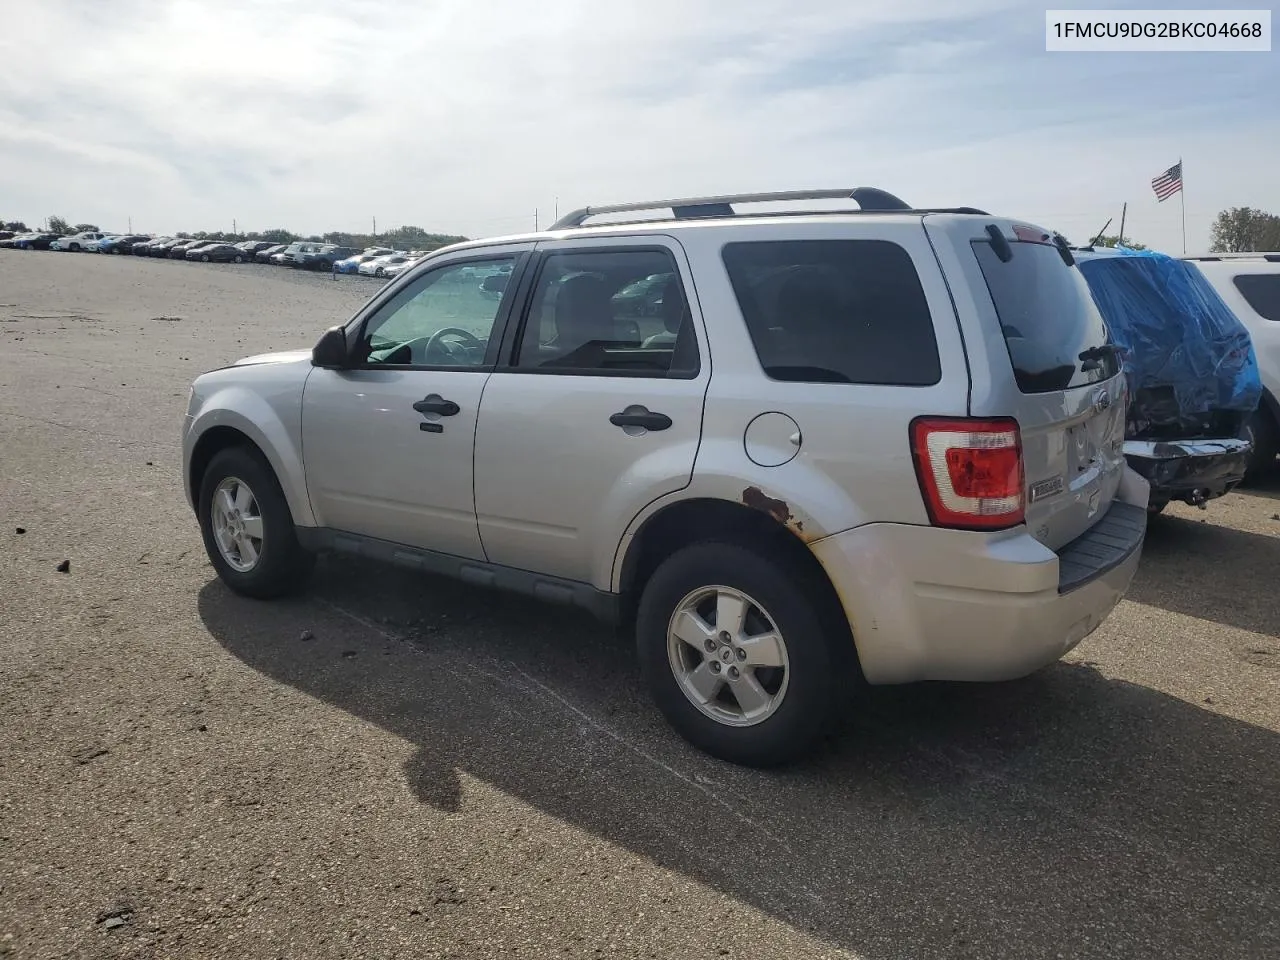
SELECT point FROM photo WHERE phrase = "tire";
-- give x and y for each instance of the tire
(115, 250)
(379, 272)
(1262, 432)
(801, 694)
(281, 565)
(74, 248)
(204, 258)
(238, 259)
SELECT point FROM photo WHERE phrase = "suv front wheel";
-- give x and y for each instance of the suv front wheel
(735, 654)
(247, 527)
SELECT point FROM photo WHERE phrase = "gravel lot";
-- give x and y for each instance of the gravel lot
(439, 772)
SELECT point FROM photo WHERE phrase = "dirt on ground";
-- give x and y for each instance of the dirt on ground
(399, 766)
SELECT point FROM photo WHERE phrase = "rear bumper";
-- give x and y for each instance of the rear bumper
(1193, 470)
(931, 604)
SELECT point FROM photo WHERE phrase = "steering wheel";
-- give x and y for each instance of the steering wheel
(437, 339)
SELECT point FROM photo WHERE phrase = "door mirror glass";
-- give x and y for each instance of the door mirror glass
(331, 350)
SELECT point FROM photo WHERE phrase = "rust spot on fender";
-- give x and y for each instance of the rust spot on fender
(780, 510)
(757, 499)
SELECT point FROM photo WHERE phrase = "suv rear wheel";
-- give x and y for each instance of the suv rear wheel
(247, 527)
(734, 653)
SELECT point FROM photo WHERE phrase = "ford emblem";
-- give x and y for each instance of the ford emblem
(1102, 401)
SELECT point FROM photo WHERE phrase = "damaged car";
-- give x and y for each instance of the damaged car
(1192, 375)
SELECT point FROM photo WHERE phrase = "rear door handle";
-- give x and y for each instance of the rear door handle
(638, 416)
(434, 403)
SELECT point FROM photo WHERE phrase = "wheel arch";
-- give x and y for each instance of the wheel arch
(218, 429)
(707, 518)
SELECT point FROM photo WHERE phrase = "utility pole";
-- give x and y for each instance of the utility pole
(535, 219)
(130, 219)
(234, 231)
(375, 228)
(1123, 211)
(557, 209)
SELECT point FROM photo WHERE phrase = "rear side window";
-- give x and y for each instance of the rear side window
(835, 311)
(609, 313)
(1050, 322)
(1262, 292)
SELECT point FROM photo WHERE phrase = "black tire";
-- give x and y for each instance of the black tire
(379, 272)
(238, 258)
(74, 248)
(204, 258)
(283, 565)
(1262, 432)
(796, 609)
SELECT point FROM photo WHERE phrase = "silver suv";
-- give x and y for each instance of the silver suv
(882, 444)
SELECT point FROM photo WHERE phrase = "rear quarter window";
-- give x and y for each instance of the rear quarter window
(1262, 292)
(835, 311)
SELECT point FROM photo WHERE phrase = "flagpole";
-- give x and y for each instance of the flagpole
(1182, 175)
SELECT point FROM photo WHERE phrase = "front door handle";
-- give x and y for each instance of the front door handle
(434, 403)
(638, 416)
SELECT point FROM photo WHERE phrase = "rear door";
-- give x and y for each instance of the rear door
(582, 425)
(1040, 351)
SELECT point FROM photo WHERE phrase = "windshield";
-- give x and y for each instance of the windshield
(1056, 337)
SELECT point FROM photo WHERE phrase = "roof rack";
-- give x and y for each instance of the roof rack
(1259, 255)
(868, 199)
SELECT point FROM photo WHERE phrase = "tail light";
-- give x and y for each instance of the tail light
(970, 471)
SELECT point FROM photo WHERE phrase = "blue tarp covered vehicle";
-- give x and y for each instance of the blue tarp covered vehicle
(1190, 366)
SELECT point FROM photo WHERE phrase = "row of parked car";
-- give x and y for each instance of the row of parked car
(381, 262)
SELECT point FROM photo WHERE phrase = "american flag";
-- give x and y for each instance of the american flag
(1168, 183)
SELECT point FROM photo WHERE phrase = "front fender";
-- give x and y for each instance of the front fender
(276, 432)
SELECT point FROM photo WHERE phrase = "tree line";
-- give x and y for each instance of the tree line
(1245, 230)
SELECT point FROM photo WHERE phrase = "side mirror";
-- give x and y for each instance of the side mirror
(331, 350)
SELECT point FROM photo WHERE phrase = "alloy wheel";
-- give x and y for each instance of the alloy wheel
(237, 524)
(728, 656)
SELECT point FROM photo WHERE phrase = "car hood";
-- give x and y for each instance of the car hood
(278, 356)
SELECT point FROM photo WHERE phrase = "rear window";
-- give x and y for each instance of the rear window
(835, 311)
(1048, 318)
(1262, 292)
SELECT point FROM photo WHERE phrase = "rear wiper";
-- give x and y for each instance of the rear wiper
(1091, 356)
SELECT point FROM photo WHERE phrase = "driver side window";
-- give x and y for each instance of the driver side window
(444, 318)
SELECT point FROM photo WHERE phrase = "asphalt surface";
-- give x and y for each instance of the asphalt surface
(443, 772)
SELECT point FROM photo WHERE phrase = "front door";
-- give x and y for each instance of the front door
(598, 413)
(388, 444)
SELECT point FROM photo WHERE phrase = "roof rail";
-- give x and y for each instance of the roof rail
(868, 198)
(1259, 255)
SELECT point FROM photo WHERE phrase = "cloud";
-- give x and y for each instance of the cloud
(465, 115)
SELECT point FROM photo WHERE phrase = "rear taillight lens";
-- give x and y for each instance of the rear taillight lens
(970, 471)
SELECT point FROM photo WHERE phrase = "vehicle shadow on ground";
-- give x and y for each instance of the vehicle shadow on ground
(1267, 486)
(1067, 814)
(1216, 573)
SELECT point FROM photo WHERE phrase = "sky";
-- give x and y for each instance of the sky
(467, 116)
